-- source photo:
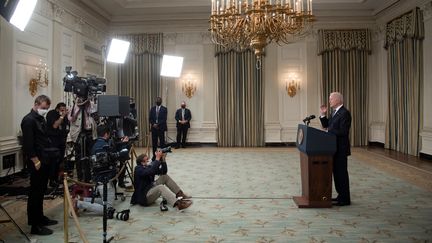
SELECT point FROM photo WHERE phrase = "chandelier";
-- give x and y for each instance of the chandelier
(256, 23)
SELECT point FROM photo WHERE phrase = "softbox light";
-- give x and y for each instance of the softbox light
(118, 51)
(171, 66)
(17, 12)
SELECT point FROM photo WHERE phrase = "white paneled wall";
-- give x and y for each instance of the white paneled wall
(61, 38)
(58, 38)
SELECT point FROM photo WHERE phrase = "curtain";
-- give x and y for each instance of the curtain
(240, 111)
(345, 70)
(139, 77)
(404, 36)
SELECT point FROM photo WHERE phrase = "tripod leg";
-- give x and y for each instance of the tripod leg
(128, 171)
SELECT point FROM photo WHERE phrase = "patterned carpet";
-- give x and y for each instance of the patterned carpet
(245, 195)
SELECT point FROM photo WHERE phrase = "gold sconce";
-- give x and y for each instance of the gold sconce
(293, 86)
(41, 79)
(189, 87)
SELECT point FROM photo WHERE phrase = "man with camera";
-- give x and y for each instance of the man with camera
(148, 190)
(37, 147)
(82, 128)
(57, 130)
(101, 146)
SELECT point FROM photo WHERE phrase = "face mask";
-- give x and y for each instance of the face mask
(42, 112)
(158, 103)
(183, 106)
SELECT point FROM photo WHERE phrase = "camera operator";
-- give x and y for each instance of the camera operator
(57, 130)
(36, 145)
(82, 132)
(102, 145)
(147, 190)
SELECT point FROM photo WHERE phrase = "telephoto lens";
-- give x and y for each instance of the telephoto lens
(123, 215)
(163, 205)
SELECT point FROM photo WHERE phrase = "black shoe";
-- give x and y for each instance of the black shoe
(47, 222)
(341, 203)
(177, 147)
(335, 199)
(40, 230)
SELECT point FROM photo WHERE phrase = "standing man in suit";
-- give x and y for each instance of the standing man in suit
(339, 124)
(158, 119)
(183, 117)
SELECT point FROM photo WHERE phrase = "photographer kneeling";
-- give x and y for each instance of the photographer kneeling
(147, 190)
(101, 146)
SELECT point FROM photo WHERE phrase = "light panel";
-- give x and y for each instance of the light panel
(23, 13)
(118, 51)
(171, 66)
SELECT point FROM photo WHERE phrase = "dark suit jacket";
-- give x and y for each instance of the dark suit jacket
(339, 125)
(187, 116)
(144, 180)
(162, 119)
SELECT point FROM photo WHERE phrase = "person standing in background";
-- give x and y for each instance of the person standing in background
(182, 117)
(158, 123)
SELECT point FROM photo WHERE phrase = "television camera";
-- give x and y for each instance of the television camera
(83, 87)
(104, 164)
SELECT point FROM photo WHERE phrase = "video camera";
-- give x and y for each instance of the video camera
(83, 87)
(104, 164)
(166, 149)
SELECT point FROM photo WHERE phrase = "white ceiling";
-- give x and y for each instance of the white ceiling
(125, 13)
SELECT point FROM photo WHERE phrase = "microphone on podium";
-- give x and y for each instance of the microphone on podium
(308, 118)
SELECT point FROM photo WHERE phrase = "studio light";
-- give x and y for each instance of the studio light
(171, 66)
(118, 51)
(17, 12)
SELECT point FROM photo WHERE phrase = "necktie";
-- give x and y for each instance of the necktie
(183, 114)
(334, 112)
(157, 113)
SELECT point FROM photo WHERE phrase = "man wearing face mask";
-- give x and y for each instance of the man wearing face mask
(57, 129)
(35, 144)
(183, 117)
(157, 119)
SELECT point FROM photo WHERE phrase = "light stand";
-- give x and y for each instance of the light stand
(171, 67)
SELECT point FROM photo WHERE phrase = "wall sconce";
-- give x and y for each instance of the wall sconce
(293, 86)
(41, 79)
(189, 87)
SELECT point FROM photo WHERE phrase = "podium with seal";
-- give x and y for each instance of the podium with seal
(316, 148)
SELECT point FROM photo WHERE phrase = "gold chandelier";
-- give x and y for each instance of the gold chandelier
(256, 23)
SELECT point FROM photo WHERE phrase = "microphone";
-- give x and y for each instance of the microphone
(307, 119)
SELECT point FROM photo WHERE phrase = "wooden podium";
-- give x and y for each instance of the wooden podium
(316, 163)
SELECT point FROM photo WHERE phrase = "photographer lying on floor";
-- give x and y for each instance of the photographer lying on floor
(102, 146)
(147, 190)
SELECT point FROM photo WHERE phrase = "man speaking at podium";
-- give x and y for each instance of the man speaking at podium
(339, 124)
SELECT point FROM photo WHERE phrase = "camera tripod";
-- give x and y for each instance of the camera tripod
(105, 218)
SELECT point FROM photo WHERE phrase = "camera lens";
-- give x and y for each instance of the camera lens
(123, 215)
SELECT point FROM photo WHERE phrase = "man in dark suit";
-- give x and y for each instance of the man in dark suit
(183, 117)
(339, 124)
(158, 119)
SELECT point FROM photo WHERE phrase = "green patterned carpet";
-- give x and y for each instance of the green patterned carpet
(245, 195)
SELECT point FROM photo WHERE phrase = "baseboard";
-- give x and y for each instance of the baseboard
(376, 144)
(287, 144)
(425, 156)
